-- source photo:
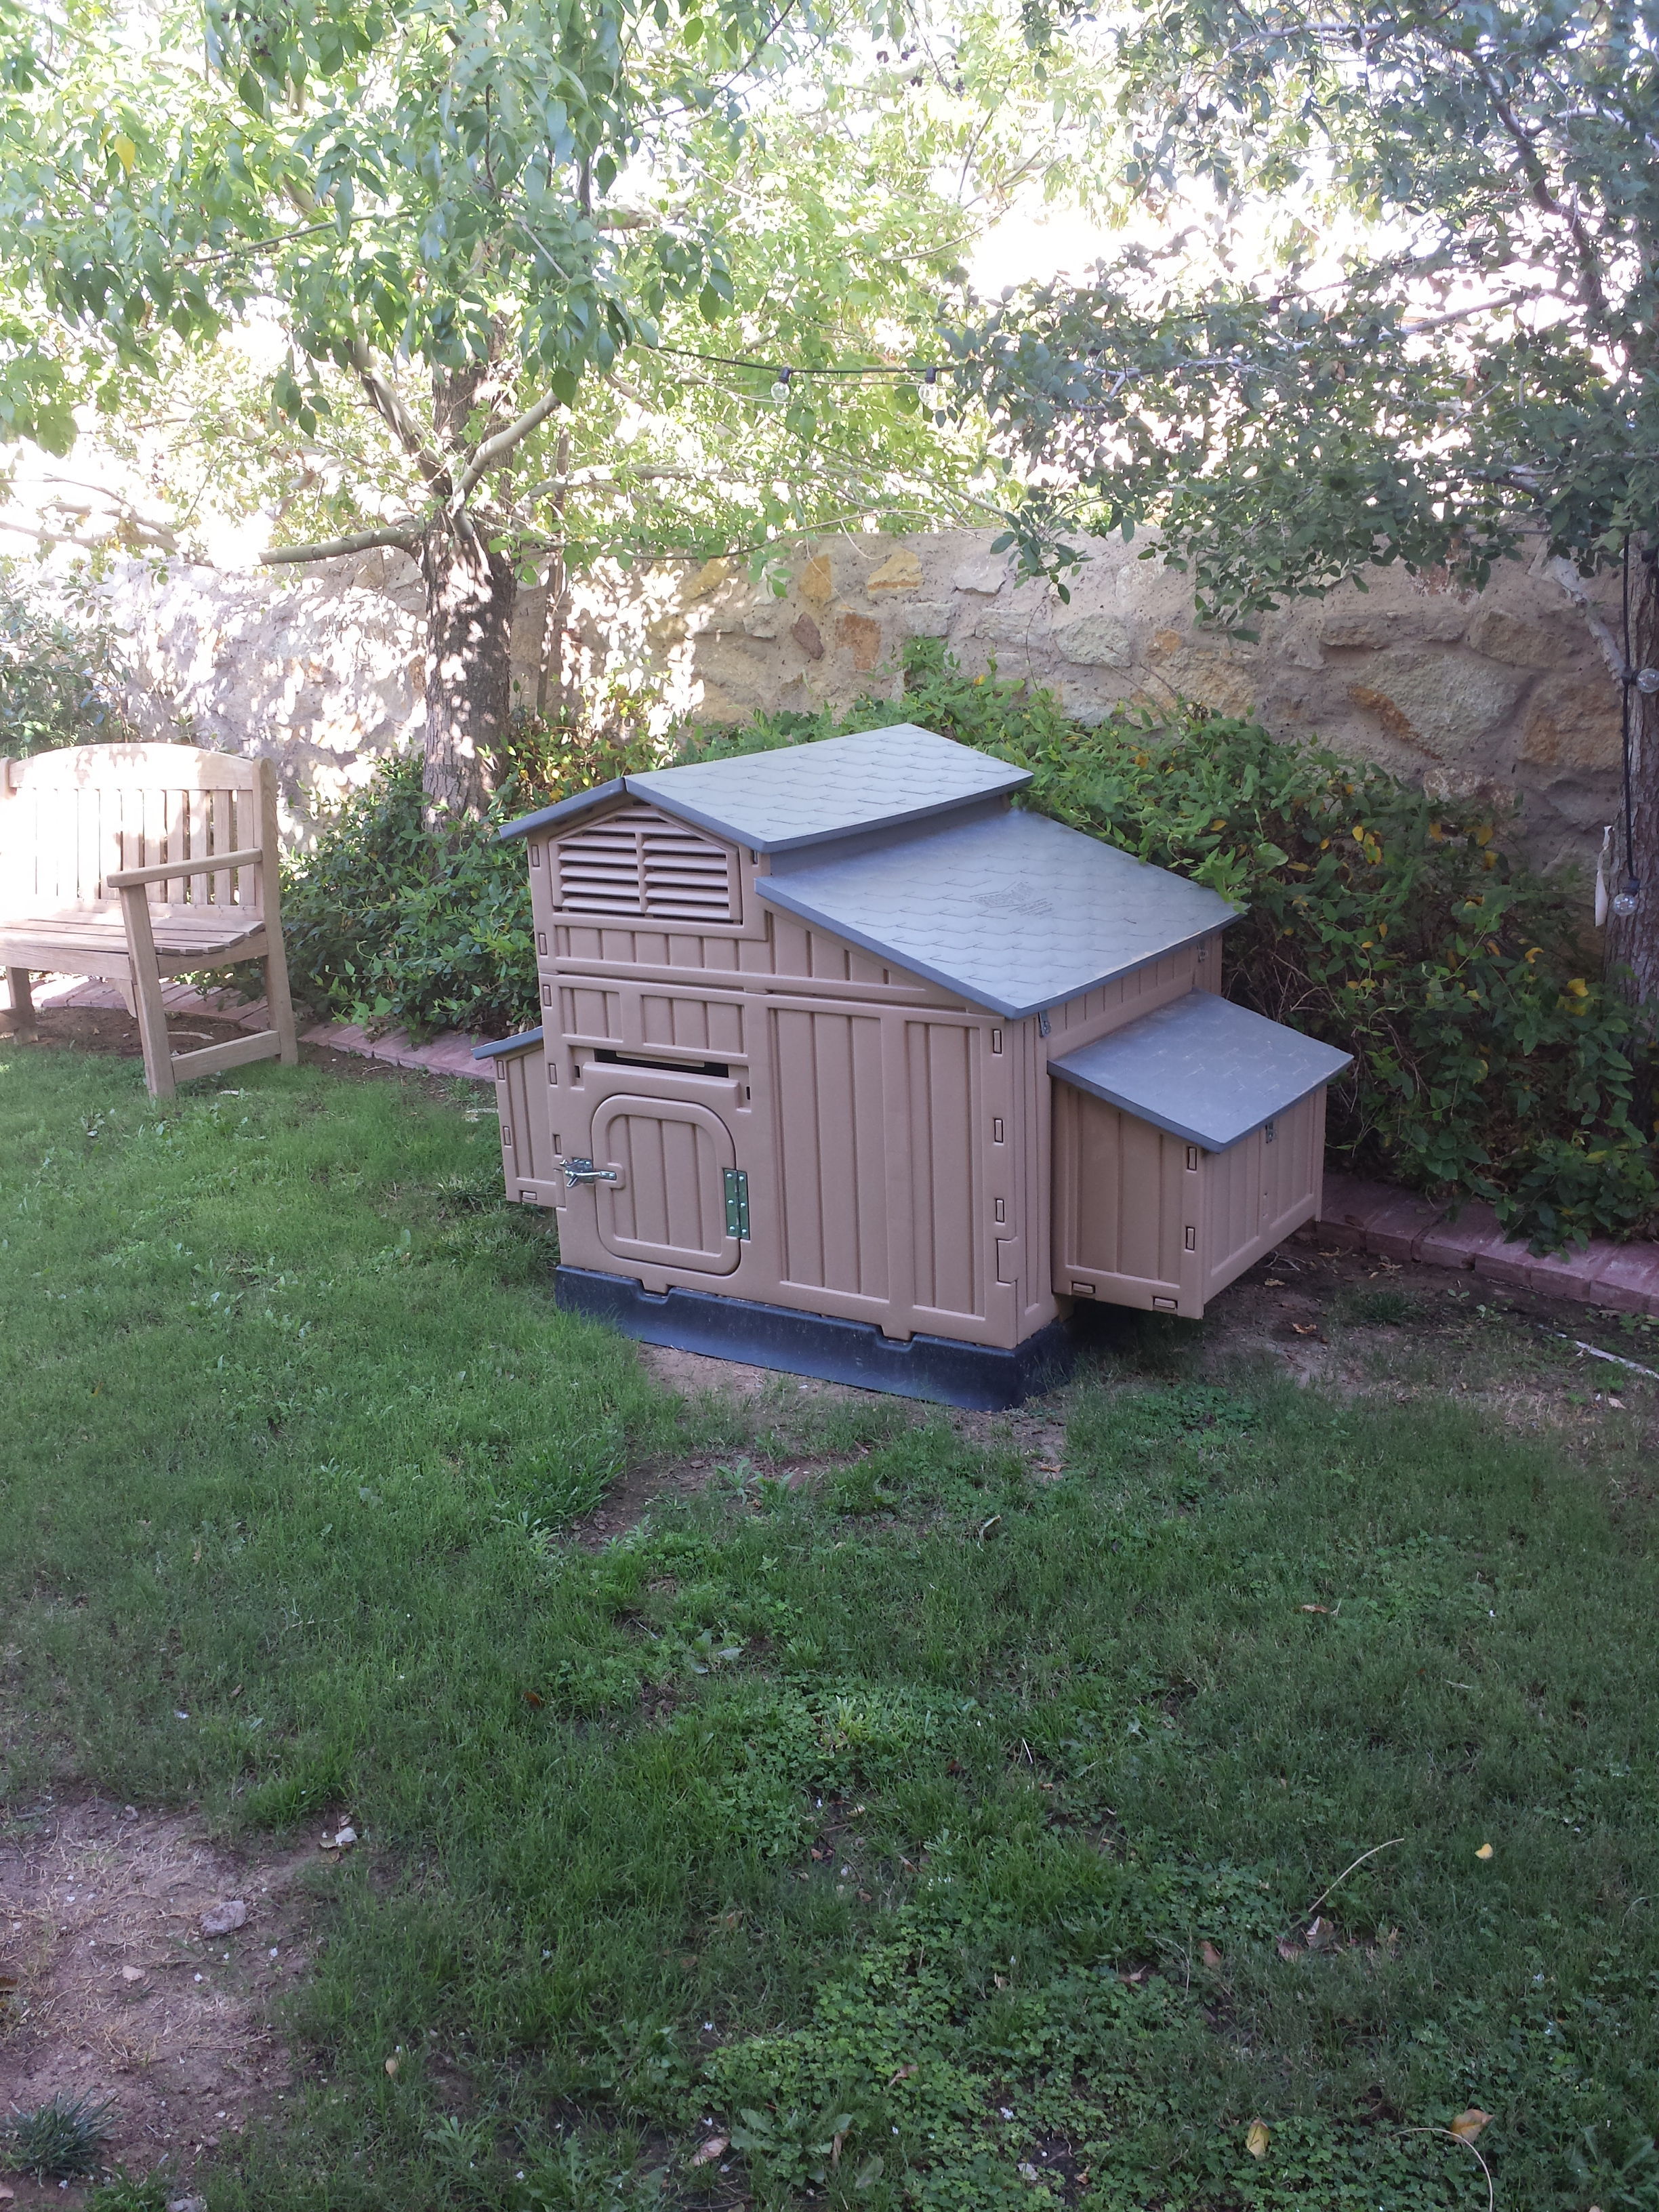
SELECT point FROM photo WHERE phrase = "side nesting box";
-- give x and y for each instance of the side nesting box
(846, 1067)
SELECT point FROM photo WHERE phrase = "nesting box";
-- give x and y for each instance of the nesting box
(849, 1067)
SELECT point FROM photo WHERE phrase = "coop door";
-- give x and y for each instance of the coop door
(679, 1199)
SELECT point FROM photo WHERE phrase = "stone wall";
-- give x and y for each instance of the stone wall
(1495, 696)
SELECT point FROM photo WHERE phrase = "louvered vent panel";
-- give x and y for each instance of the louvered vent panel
(643, 864)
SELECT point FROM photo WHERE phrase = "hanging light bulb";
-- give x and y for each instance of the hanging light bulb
(780, 389)
(1625, 898)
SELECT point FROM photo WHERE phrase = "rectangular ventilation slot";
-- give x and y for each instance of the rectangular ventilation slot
(639, 863)
(668, 1066)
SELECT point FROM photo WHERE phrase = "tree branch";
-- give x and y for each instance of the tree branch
(405, 534)
(494, 451)
(1575, 589)
(388, 403)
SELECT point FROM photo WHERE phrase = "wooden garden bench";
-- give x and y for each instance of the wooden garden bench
(134, 862)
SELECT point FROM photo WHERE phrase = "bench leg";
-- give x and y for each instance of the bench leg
(22, 1002)
(147, 987)
(279, 1003)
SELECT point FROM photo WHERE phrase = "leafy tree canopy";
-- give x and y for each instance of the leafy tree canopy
(1471, 369)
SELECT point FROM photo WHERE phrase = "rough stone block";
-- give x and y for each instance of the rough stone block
(808, 636)
(816, 583)
(928, 618)
(860, 635)
(987, 575)
(1444, 703)
(1097, 640)
(1572, 722)
(899, 572)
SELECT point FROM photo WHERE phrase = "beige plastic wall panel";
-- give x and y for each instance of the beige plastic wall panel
(1031, 1167)
(529, 1162)
(668, 1206)
(586, 1010)
(685, 1021)
(1257, 1192)
(830, 1132)
(1232, 1211)
(1096, 1013)
(1122, 1204)
(949, 1242)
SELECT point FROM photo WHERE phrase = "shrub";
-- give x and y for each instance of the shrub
(394, 925)
(1489, 1062)
(59, 683)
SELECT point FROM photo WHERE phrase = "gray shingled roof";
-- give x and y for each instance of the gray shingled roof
(799, 795)
(1203, 1068)
(1017, 913)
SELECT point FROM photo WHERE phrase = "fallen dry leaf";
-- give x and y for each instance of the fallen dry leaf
(392, 2068)
(1273, 1283)
(1467, 2125)
(1210, 1955)
(707, 2152)
(1316, 1609)
(1485, 1851)
(1305, 1327)
(132, 1973)
(1289, 1950)
(1256, 2139)
(1319, 1934)
(902, 2075)
(1617, 1402)
(534, 1697)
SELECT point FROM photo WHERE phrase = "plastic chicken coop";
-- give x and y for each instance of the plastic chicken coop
(849, 1068)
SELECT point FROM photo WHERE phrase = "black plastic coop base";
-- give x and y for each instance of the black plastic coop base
(942, 1368)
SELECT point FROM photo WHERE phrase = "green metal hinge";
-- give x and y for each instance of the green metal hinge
(737, 1203)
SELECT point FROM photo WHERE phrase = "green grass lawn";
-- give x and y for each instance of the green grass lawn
(945, 1834)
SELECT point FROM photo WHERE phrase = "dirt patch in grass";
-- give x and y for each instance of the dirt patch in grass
(114, 1992)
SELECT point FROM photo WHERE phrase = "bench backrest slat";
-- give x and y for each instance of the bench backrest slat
(70, 819)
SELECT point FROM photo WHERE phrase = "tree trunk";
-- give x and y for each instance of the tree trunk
(1633, 941)
(469, 597)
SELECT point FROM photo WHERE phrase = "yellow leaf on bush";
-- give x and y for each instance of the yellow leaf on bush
(1256, 2139)
(1485, 1851)
(1467, 2125)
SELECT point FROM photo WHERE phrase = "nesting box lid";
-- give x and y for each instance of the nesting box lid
(1016, 913)
(1203, 1069)
(799, 795)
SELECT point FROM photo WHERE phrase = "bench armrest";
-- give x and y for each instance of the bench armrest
(211, 865)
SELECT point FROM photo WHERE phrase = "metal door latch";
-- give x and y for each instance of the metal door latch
(737, 1202)
(577, 1171)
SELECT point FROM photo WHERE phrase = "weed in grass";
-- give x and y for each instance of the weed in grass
(979, 1831)
(63, 2140)
(131, 2192)
(1379, 1305)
